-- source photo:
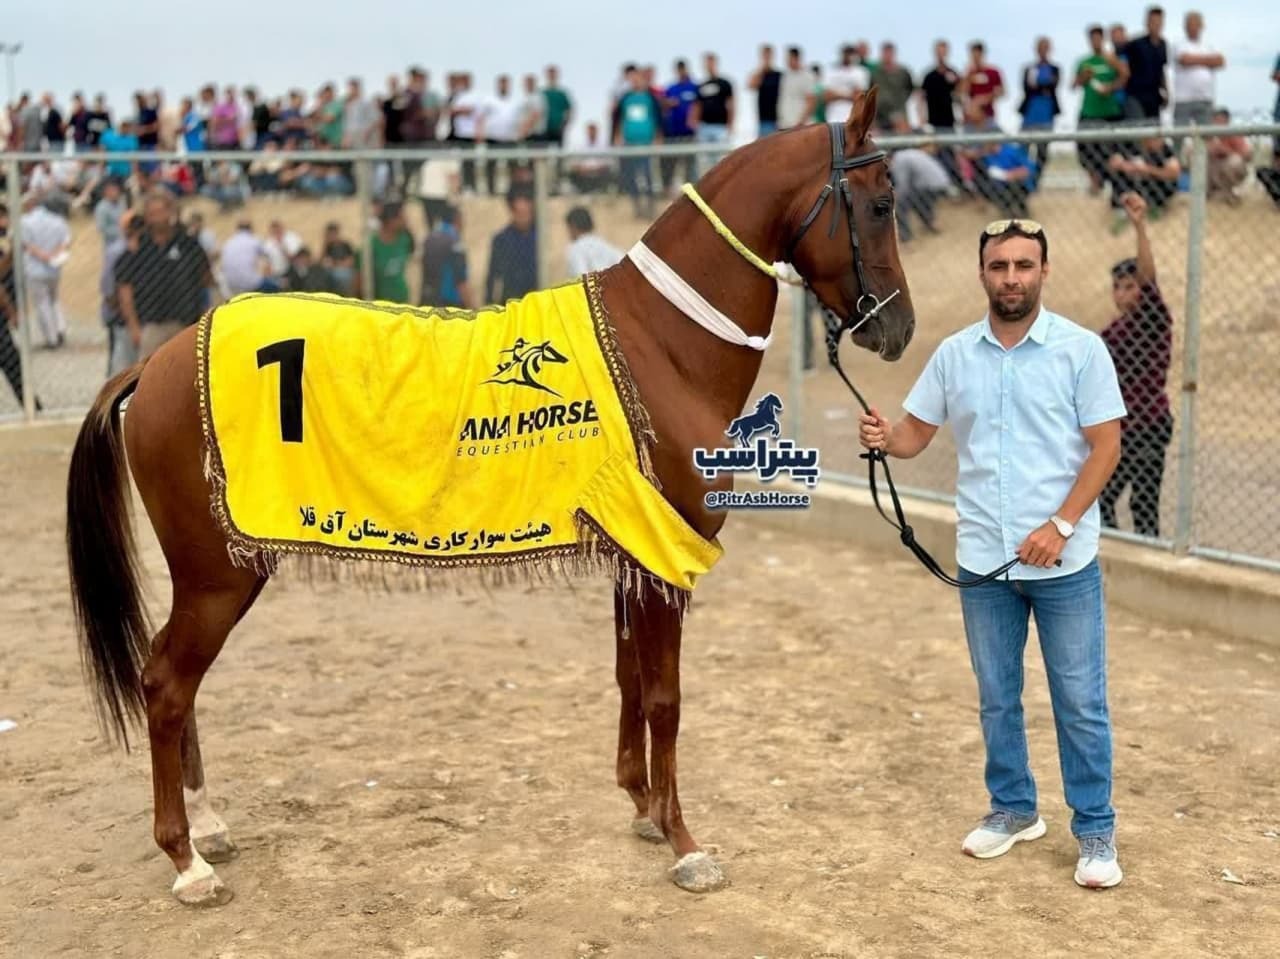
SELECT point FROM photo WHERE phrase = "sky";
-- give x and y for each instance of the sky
(115, 48)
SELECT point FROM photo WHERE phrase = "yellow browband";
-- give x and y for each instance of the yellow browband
(725, 232)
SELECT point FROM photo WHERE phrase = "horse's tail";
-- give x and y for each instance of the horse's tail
(111, 620)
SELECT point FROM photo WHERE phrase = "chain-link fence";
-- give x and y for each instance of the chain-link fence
(1196, 342)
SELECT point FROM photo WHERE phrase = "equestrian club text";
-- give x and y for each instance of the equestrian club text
(530, 421)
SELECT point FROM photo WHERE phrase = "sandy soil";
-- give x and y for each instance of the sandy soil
(419, 776)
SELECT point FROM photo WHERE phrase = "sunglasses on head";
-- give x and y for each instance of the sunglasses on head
(997, 227)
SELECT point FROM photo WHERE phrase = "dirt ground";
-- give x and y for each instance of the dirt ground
(432, 776)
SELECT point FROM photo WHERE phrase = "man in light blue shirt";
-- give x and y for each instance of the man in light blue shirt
(1035, 408)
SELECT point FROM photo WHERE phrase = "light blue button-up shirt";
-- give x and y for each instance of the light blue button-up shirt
(1017, 416)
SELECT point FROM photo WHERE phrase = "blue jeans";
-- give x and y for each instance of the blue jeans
(1071, 621)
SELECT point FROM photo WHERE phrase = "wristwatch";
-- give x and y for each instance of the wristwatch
(1065, 528)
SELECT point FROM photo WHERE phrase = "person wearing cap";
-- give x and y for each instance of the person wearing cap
(1035, 409)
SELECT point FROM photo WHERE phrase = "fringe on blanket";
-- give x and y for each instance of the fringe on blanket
(595, 552)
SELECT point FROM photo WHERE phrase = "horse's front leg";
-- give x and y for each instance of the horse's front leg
(656, 628)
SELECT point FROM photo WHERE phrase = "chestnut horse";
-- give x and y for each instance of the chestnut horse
(765, 195)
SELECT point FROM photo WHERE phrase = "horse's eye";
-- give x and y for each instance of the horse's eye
(883, 207)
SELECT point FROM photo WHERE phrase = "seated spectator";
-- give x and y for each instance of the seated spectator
(242, 261)
(592, 172)
(306, 276)
(1229, 158)
(325, 180)
(280, 245)
(444, 263)
(1152, 174)
(587, 252)
(1007, 177)
(265, 170)
(226, 184)
(919, 179)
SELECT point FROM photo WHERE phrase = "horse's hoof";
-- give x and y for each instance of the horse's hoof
(647, 829)
(698, 872)
(216, 847)
(206, 890)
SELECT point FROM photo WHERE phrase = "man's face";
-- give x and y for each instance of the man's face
(504, 86)
(794, 61)
(553, 77)
(1012, 275)
(522, 212)
(531, 84)
(1042, 48)
(887, 54)
(1095, 41)
(157, 213)
(1194, 25)
(1125, 292)
(1118, 37)
(941, 50)
(1155, 23)
(637, 80)
(975, 56)
(709, 63)
(766, 56)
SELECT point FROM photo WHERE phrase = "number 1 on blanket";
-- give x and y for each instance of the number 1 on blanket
(288, 353)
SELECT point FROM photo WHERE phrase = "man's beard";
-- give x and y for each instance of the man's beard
(1012, 309)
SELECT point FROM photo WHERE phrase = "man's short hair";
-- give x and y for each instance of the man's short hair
(794, 52)
(978, 45)
(682, 65)
(579, 218)
(1094, 28)
(1222, 112)
(519, 192)
(1155, 9)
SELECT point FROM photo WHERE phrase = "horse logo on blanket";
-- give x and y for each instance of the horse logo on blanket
(765, 418)
(526, 360)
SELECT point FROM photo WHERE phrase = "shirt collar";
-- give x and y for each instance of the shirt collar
(1039, 331)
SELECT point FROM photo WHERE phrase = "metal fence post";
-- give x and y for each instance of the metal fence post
(541, 220)
(12, 174)
(364, 194)
(795, 363)
(1191, 347)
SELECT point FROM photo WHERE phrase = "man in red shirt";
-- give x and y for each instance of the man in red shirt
(982, 85)
(1140, 341)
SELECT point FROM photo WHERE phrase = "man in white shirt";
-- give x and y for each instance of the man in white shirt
(847, 79)
(587, 253)
(793, 90)
(280, 247)
(46, 242)
(1194, 64)
(464, 111)
(498, 125)
(242, 258)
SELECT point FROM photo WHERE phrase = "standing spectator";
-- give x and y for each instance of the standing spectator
(1140, 341)
(816, 107)
(99, 121)
(640, 125)
(895, 87)
(361, 120)
(109, 211)
(513, 253)
(338, 257)
(30, 124)
(259, 118)
(46, 241)
(533, 113)
(587, 252)
(241, 263)
(55, 128)
(1194, 65)
(679, 100)
(766, 81)
(224, 123)
(293, 121)
(326, 119)
(10, 359)
(558, 107)
(439, 183)
(167, 121)
(1147, 91)
(464, 117)
(793, 91)
(79, 122)
(1229, 158)
(939, 91)
(982, 87)
(715, 106)
(162, 285)
(497, 126)
(1039, 104)
(280, 246)
(1100, 75)
(122, 353)
(392, 246)
(845, 81)
(444, 264)
(148, 131)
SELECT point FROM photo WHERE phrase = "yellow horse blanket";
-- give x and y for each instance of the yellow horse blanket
(434, 437)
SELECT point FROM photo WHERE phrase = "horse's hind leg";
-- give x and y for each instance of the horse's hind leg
(183, 650)
(656, 627)
(209, 834)
(633, 771)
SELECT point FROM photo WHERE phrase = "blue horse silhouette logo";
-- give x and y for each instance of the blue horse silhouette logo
(765, 418)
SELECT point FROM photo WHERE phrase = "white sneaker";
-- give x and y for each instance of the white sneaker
(999, 831)
(1098, 866)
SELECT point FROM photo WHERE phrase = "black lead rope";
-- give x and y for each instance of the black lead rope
(905, 532)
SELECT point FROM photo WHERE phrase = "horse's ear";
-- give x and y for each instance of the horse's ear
(861, 117)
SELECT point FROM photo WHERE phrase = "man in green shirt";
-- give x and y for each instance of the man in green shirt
(556, 114)
(327, 118)
(1100, 74)
(392, 245)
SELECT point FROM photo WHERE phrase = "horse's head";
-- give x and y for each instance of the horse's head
(770, 403)
(846, 243)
